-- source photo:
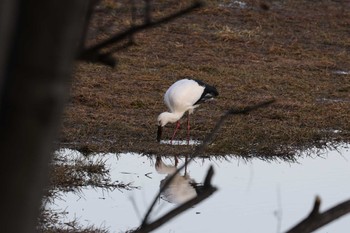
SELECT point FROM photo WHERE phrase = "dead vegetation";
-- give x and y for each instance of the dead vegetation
(71, 172)
(49, 222)
(74, 172)
(287, 50)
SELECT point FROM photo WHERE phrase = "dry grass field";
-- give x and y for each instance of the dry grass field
(297, 52)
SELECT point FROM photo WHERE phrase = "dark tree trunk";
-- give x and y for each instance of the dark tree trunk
(38, 44)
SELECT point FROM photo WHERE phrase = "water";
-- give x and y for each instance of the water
(254, 196)
(181, 142)
(234, 4)
(341, 72)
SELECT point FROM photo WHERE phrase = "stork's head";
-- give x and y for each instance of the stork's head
(165, 118)
(162, 121)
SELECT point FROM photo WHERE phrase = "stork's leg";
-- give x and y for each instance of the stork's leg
(177, 127)
(188, 128)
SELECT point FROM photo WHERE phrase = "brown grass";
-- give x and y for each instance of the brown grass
(287, 50)
(73, 174)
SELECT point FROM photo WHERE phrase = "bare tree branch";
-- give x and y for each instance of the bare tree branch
(133, 19)
(93, 53)
(91, 6)
(316, 219)
(148, 17)
(200, 149)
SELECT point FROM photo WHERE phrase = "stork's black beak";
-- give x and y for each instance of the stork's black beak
(159, 133)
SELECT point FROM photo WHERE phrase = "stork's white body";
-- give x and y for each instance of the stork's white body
(184, 95)
(180, 98)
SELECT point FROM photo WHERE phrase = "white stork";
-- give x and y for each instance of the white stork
(183, 96)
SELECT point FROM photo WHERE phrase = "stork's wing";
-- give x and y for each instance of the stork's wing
(209, 93)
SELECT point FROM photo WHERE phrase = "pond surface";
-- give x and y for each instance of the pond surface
(181, 142)
(253, 196)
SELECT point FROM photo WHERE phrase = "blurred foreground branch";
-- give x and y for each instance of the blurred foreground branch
(316, 219)
(208, 189)
(94, 54)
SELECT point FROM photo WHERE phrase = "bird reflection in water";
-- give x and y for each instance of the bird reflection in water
(182, 188)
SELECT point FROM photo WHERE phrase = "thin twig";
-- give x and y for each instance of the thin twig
(148, 17)
(232, 111)
(91, 6)
(316, 209)
(133, 19)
